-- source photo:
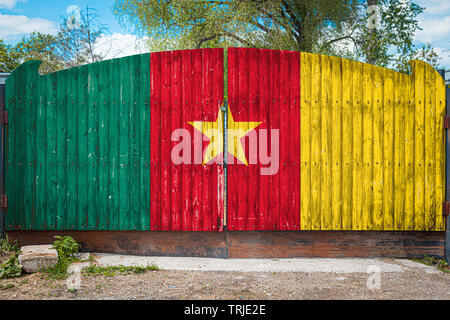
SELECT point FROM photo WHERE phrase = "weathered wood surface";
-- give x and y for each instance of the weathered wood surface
(250, 244)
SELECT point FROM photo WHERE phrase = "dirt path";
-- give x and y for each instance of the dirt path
(162, 284)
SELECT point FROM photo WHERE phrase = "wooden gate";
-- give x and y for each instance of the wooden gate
(312, 143)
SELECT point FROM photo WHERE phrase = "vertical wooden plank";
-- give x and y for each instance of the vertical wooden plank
(347, 143)
(358, 101)
(197, 114)
(124, 144)
(166, 115)
(367, 187)
(419, 156)
(316, 143)
(408, 222)
(61, 148)
(72, 149)
(51, 151)
(134, 147)
(326, 150)
(114, 136)
(430, 148)
(337, 142)
(254, 169)
(400, 141)
(440, 152)
(391, 105)
(381, 111)
(274, 107)
(155, 134)
(83, 192)
(175, 123)
(264, 113)
(92, 145)
(27, 85)
(41, 146)
(186, 98)
(305, 138)
(104, 108)
(144, 139)
(218, 174)
(209, 117)
(295, 160)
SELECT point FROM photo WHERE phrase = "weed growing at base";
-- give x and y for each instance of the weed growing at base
(436, 262)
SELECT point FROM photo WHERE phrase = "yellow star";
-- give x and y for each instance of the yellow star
(214, 131)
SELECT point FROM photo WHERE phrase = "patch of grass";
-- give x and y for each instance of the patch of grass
(11, 268)
(111, 271)
(435, 262)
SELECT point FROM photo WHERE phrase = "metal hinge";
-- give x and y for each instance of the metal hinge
(447, 122)
(4, 117)
(3, 201)
(446, 208)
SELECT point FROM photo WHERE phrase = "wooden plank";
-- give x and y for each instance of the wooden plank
(92, 162)
(367, 146)
(144, 139)
(400, 141)
(61, 148)
(440, 152)
(114, 136)
(242, 244)
(187, 100)
(316, 143)
(51, 151)
(124, 144)
(72, 149)
(419, 156)
(305, 138)
(104, 103)
(430, 147)
(325, 146)
(408, 222)
(381, 109)
(337, 142)
(390, 105)
(155, 136)
(347, 143)
(264, 114)
(357, 98)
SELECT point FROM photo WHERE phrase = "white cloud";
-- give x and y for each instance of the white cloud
(9, 4)
(434, 29)
(11, 25)
(118, 45)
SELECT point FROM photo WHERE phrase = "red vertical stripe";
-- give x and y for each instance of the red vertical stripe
(186, 86)
(264, 85)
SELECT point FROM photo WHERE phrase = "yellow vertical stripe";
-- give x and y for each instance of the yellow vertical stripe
(372, 146)
(305, 140)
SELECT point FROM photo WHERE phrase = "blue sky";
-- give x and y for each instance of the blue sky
(20, 17)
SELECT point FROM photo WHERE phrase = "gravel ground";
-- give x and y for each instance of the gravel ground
(412, 283)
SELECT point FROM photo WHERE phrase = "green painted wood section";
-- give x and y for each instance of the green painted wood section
(78, 149)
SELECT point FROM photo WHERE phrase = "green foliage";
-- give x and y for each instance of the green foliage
(67, 249)
(436, 262)
(110, 271)
(329, 27)
(7, 246)
(11, 268)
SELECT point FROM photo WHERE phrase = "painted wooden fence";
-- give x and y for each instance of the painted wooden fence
(372, 146)
(91, 148)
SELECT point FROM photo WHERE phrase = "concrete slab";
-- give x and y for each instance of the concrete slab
(347, 265)
(37, 257)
